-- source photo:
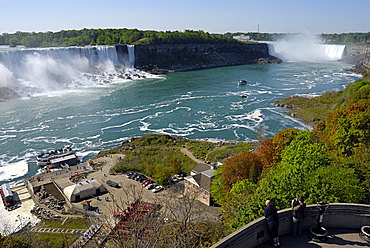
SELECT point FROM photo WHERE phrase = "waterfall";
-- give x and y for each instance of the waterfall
(306, 52)
(131, 54)
(305, 47)
(31, 71)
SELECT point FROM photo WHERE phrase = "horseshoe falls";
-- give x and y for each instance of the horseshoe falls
(305, 48)
(93, 99)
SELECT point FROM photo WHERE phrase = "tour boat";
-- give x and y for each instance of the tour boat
(58, 157)
(242, 82)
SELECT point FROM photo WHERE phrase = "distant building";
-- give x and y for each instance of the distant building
(242, 37)
(199, 182)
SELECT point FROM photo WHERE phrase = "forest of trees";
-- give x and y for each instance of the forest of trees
(134, 36)
(330, 163)
(110, 37)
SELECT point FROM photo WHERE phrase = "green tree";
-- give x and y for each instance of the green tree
(305, 170)
(236, 201)
(216, 186)
(346, 128)
(103, 40)
(13, 42)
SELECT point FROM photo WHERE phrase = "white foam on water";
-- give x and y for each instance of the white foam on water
(10, 171)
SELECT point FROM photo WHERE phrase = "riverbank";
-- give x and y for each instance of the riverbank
(314, 109)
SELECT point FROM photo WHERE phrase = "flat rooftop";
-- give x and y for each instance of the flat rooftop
(337, 238)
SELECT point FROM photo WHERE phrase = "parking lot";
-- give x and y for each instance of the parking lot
(122, 191)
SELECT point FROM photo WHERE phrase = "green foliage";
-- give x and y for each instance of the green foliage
(13, 42)
(347, 128)
(14, 242)
(216, 186)
(227, 150)
(305, 170)
(110, 37)
(361, 95)
(360, 163)
(359, 84)
(333, 184)
(237, 200)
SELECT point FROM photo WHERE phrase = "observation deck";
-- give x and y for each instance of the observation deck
(342, 220)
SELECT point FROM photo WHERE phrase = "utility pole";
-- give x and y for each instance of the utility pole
(258, 28)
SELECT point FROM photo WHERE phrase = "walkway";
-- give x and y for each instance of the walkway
(337, 238)
(57, 230)
(191, 156)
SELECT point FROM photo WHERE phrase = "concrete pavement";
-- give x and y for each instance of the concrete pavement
(337, 238)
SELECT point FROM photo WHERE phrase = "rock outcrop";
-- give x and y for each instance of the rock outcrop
(7, 94)
(359, 55)
(164, 58)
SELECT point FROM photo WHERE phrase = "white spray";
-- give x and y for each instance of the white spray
(305, 47)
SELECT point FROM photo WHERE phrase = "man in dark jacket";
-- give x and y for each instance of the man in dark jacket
(298, 215)
(272, 222)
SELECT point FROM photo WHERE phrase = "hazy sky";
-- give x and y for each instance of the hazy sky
(214, 16)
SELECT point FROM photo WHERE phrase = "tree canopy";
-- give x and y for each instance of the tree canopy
(110, 37)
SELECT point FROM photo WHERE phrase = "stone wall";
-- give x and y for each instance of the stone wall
(185, 57)
(338, 215)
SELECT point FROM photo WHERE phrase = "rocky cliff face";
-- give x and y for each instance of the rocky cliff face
(185, 57)
(359, 55)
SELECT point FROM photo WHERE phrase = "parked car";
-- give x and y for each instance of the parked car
(142, 178)
(183, 174)
(157, 189)
(151, 185)
(146, 182)
(133, 175)
(113, 184)
(174, 179)
(130, 174)
(136, 178)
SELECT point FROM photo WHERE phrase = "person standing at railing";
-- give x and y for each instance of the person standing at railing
(272, 219)
(298, 215)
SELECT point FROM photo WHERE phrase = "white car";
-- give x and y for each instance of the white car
(157, 189)
(151, 186)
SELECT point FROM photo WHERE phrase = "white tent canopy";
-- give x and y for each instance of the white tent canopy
(83, 190)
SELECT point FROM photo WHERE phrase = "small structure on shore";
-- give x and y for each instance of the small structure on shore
(83, 190)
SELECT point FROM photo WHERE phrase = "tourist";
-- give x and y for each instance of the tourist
(298, 215)
(272, 219)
